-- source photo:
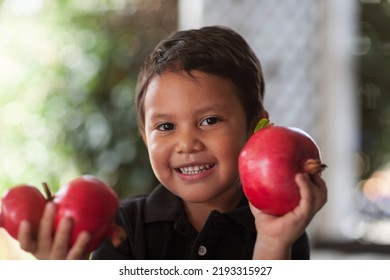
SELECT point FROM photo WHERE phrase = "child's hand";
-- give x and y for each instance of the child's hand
(275, 235)
(47, 246)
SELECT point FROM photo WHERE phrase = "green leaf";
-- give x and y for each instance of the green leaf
(262, 124)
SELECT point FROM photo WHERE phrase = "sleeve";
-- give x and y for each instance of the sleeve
(300, 249)
(108, 252)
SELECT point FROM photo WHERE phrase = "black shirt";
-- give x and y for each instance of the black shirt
(157, 228)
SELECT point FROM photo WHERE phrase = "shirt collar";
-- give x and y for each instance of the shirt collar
(243, 215)
(162, 205)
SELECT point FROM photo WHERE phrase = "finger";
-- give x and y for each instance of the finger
(306, 188)
(318, 181)
(25, 237)
(45, 232)
(78, 251)
(313, 192)
(253, 209)
(62, 238)
(320, 191)
(322, 186)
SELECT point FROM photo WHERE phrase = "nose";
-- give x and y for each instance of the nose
(188, 142)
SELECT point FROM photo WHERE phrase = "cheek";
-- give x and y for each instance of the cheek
(158, 153)
(229, 147)
(153, 150)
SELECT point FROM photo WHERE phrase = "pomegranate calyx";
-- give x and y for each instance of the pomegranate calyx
(314, 166)
(263, 123)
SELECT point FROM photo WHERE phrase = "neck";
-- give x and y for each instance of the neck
(197, 213)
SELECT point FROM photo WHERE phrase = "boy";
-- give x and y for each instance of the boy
(199, 97)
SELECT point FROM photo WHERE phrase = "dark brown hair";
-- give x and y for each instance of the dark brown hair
(214, 50)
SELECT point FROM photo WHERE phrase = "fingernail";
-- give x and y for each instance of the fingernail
(50, 206)
(24, 224)
(67, 221)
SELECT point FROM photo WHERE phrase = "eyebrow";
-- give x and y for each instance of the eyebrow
(155, 116)
(212, 108)
(203, 110)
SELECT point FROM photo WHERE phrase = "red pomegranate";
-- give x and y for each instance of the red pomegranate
(269, 162)
(22, 202)
(91, 205)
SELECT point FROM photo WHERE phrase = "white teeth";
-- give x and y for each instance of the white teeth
(195, 169)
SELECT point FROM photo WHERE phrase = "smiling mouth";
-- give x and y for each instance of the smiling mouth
(191, 170)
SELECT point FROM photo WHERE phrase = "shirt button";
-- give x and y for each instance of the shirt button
(202, 250)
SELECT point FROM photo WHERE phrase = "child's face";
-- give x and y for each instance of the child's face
(194, 131)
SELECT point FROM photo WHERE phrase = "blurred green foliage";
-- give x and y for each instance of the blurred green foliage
(67, 77)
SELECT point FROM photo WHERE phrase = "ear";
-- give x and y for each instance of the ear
(264, 115)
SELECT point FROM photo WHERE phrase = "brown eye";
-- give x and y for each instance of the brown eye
(166, 126)
(210, 121)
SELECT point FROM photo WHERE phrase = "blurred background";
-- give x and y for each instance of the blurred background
(68, 71)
